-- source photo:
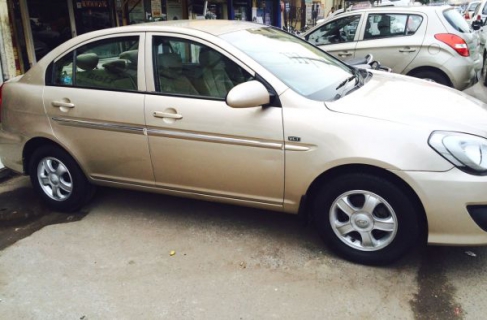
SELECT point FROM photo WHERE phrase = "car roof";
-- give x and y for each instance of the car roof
(213, 27)
(425, 9)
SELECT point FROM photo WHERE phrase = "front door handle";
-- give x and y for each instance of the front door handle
(160, 114)
(407, 50)
(62, 104)
(344, 54)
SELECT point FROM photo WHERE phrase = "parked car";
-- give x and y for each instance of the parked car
(468, 13)
(432, 43)
(247, 114)
(480, 12)
(481, 28)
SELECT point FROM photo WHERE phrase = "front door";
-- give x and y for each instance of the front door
(337, 37)
(197, 142)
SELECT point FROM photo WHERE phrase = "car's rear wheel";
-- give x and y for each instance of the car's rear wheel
(58, 179)
(366, 219)
(432, 76)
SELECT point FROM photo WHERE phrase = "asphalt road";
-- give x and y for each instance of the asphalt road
(113, 261)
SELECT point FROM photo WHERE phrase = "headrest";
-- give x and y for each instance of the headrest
(115, 66)
(384, 22)
(209, 57)
(130, 55)
(169, 60)
(87, 61)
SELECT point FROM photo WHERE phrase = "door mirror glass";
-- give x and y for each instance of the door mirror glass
(248, 95)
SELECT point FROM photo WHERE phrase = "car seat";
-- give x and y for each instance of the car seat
(171, 77)
(384, 26)
(214, 80)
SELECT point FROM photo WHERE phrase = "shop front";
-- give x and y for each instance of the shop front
(38, 28)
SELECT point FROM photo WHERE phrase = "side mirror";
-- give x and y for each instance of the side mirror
(477, 24)
(248, 95)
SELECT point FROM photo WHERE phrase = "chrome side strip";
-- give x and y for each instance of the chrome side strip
(293, 147)
(100, 125)
(215, 139)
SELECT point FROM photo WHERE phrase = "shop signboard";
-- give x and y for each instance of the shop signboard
(156, 8)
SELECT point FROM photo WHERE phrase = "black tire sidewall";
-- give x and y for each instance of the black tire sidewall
(405, 210)
(81, 187)
(435, 76)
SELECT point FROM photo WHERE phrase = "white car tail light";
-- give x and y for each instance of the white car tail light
(467, 16)
(455, 42)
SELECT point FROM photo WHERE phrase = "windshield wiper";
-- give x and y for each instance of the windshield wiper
(344, 82)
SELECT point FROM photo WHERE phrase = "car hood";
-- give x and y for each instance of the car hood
(415, 102)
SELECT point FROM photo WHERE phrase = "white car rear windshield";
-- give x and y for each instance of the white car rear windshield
(456, 20)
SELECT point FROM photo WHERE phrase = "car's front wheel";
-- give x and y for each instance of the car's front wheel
(366, 219)
(58, 179)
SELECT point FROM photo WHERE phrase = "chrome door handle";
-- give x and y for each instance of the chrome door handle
(407, 50)
(62, 104)
(344, 54)
(159, 114)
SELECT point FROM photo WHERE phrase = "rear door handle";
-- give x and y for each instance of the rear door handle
(62, 104)
(407, 50)
(160, 114)
(344, 54)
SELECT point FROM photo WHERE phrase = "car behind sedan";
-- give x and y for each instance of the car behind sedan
(247, 114)
(433, 43)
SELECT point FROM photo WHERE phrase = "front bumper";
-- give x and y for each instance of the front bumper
(445, 197)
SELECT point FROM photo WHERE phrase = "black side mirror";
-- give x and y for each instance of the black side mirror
(477, 24)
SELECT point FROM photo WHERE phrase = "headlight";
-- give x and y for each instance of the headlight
(465, 151)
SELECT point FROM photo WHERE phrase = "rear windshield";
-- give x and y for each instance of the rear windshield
(456, 20)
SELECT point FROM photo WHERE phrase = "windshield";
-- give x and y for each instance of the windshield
(301, 66)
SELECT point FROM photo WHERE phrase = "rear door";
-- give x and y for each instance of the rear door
(338, 37)
(94, 97)
(394, 39)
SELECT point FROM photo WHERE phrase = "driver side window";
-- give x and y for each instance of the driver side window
(337, 31)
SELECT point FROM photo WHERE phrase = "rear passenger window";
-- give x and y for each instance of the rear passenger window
(184, 67)
(391, 25)
(106, 64)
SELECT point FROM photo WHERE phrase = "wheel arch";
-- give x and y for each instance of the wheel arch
(332, 173)
(33, 144)
(431, 69)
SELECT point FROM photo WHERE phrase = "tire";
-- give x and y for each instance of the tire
(432, 76)
(374, 232)
(58, 179)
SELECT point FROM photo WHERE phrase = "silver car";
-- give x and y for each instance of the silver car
(433, 43)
